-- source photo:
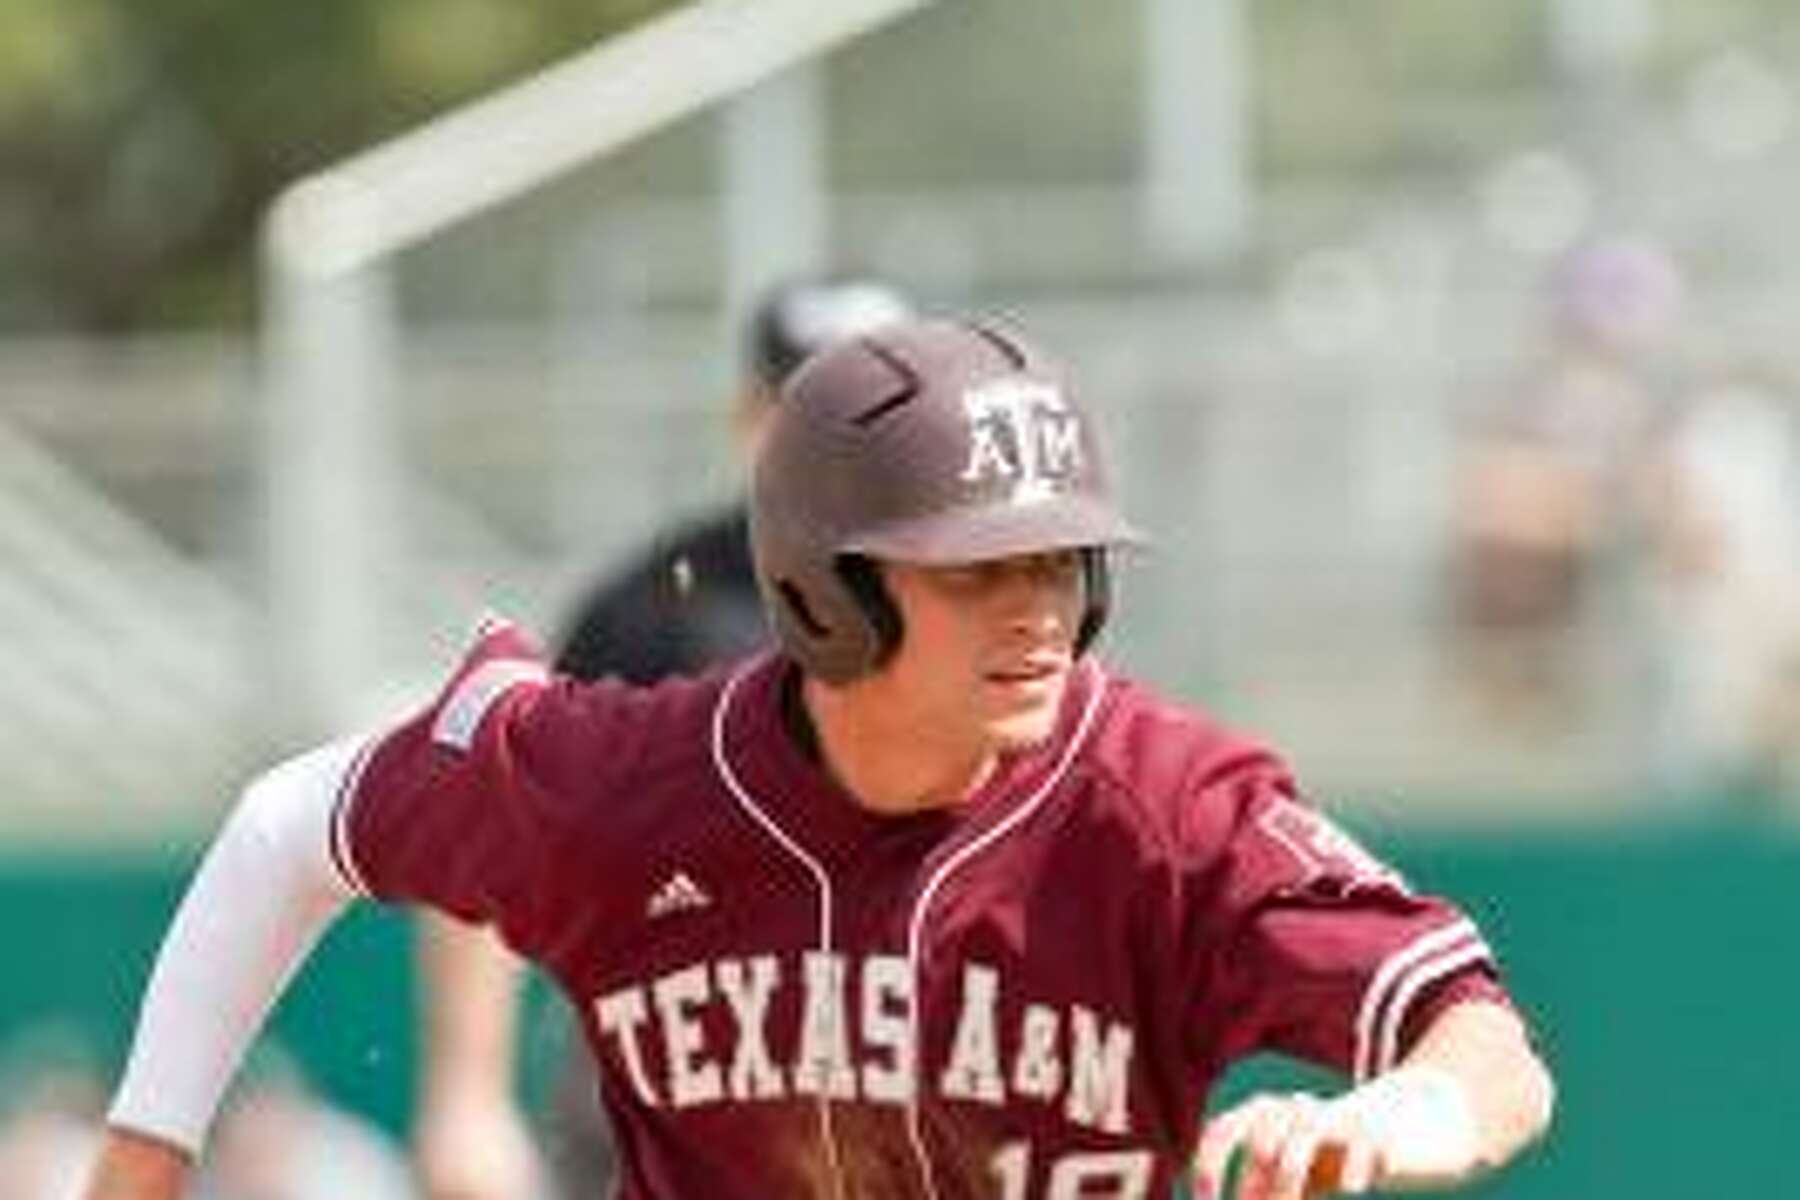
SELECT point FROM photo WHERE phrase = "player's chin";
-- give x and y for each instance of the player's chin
(1023, 716)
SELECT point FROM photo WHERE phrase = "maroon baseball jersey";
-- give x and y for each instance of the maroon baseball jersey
(1028, 995)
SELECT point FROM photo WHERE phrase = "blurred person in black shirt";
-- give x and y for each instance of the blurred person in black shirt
(688, 602)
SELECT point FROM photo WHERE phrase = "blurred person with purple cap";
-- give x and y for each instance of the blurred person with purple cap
(1546, 482)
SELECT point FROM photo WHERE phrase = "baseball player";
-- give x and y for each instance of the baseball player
(924, 903)
(687, 603)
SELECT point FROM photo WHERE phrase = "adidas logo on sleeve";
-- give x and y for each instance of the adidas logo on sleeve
(679, 893)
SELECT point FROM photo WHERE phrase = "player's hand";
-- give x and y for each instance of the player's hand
(476, 1148)
(131, 1166)
(1411, 1128)
(1287, 1147)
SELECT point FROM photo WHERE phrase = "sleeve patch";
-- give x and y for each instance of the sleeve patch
(462, 713)
(1319, 849)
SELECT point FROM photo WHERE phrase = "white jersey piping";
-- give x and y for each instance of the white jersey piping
(343, 859)
(916, 923)
(1425, 975)
(1395, 977)
(821, 879)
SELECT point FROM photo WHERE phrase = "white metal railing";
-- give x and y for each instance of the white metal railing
(328, 462)
(126, 664)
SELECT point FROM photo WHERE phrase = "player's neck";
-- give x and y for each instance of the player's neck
(889, 761)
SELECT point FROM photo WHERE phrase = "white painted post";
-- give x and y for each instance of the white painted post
(1198, 198)
(327, 461)
(328, 466)
(1602, 37)
(775, 213)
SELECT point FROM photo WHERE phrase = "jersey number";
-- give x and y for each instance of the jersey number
(1115, 1175)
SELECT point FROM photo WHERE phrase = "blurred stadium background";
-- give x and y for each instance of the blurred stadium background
(258, 473)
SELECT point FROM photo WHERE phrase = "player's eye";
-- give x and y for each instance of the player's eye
(1056, 568)
(1059, 566)
(966, 577)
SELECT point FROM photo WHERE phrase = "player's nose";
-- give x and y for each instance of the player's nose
(1038, 603)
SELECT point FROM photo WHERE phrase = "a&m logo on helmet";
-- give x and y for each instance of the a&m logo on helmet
(1022, 435)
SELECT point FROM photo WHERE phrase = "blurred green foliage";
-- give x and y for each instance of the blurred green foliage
(139, 139)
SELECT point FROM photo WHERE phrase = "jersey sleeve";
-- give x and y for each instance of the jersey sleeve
(1317, 949)
(467, 806)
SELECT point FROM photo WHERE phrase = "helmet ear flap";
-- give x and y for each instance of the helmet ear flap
(1096, 586)
(841, 621)
(862, 579)
(796, 608)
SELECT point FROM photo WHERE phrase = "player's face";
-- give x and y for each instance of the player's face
(988, 645)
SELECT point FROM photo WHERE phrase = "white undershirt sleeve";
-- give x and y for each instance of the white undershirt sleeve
(264, 893)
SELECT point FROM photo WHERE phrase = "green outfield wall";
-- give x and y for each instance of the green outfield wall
(1663, 970)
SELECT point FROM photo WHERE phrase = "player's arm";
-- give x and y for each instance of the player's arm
(470, 1140)
(264, 893)
(1484, 1053)
(1468, 1096)
(1338, 961)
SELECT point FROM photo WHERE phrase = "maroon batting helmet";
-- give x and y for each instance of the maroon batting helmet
(928, 442)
